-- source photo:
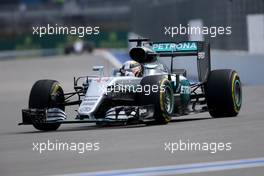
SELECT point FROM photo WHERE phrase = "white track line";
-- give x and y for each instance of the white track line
(180, 169)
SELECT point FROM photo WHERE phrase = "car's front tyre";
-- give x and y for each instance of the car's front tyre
(46, 94)
(162, 99)
(164, 102)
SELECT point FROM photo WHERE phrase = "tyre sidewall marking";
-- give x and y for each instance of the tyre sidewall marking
(162, 96)
(55, 88)
(235, 105)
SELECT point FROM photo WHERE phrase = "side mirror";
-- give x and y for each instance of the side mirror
(100, 69)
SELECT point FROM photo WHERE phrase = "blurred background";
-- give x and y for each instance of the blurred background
(117, 19)
(26, 58)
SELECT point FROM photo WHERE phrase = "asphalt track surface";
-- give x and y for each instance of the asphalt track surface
(120, 147)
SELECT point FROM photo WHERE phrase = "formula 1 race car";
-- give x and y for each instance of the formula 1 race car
(155, 96)
(79, 47)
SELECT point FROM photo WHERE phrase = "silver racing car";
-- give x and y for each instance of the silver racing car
(143, 91)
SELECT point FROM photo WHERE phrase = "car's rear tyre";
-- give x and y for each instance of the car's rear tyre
(46, 94)
(223, 93)
(162, 99)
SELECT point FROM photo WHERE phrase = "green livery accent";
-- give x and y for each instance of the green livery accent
(185, 92)
(174, 47)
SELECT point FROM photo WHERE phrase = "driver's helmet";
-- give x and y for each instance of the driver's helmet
(131, 68)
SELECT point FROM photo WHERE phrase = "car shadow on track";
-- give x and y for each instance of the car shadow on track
(189, 119)
(110, 127)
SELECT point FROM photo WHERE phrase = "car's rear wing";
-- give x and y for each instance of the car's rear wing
(189, 48)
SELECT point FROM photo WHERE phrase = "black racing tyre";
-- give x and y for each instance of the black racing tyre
(46, 94)
(89, 49)
(162, 99)
(67, 51)
(223, 92)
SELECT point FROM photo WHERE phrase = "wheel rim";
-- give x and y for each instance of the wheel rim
(168, 100)
(237, 93)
